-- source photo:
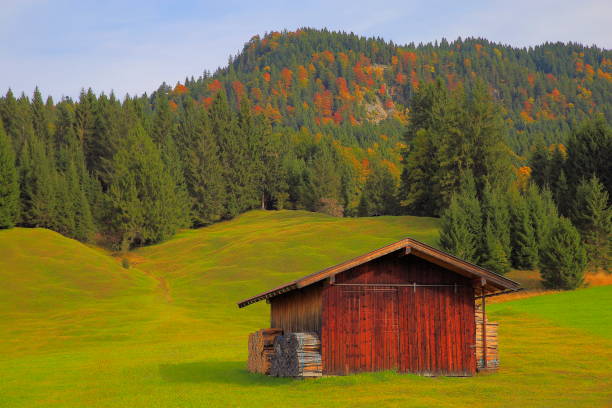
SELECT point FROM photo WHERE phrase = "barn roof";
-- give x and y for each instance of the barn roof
(491, 281)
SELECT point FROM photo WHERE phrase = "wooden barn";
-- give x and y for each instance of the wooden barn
(406, 306)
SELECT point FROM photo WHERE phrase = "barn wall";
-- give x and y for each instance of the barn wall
(426, 330)
(298, 310)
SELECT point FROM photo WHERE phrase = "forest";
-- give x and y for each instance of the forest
(511, 147)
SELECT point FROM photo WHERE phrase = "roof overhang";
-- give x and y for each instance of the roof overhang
(490, 282)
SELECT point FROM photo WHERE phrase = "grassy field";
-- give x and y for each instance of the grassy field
(78, 330)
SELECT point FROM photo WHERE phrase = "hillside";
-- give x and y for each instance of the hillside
(358, 89)
(77, 329)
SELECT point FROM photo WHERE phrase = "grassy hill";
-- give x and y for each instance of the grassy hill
(77, 329)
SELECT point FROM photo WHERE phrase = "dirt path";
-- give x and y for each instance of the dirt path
(162, 283)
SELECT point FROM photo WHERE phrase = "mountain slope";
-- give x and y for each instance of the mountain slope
(358, 88)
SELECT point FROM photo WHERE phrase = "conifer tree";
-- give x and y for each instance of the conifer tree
(74, 217)
(379, 193)
(250, 143)
(592, 216)
(324, 181)
(37, 185)
(419, 195)
(105, 139)
(564, 258)
(273, 182)
(124, 211)
(9, 185)
(461, 223)
(232, 153)
(142, 193)
(85, 116)
(16, 115)
(524, 246)
(589, 151)
(163, 134)
(496, 247)
(494, 255)
(203, 171)
(40, 116)
(543, 213)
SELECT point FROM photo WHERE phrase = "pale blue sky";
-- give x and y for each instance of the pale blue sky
(133, 46)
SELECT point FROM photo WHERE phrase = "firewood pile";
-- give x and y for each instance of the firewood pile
(486, 333)
(297, 355)
(261, 350)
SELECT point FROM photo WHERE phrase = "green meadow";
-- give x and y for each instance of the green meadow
(79, 330)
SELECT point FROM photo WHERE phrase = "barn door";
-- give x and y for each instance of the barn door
(436, 330)
(361, 332)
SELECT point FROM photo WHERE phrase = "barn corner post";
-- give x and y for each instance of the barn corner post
(484, 323)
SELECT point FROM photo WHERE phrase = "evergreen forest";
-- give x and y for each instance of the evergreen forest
(511, 147)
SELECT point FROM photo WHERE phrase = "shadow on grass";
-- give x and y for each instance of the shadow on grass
(228, 372)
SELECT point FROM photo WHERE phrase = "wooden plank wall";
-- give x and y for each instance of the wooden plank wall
(425, 330)
(298, 310)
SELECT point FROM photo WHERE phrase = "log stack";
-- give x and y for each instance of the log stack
(489, 341)
(297, 355)
(261, 350)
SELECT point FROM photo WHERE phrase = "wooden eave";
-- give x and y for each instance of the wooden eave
(487, 281)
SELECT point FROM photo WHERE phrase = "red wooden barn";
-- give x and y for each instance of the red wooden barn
(406, 306)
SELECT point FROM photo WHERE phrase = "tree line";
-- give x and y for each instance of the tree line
(133, 171)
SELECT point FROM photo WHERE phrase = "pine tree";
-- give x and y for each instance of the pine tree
(428, 108)
(9, 185)
(203, 171)
(543, 213)
(593, 218)
(455, 234)
(16, 115)
(124, 218)
(524, 246)
(540, 164)
(589, 151)
(38, 185)
(40, 116)
(495, 256)
(251, 134)
(564, 258)
(105, 139)
(163, 133)
(274, 188)
(141, 195)
(496, 246)
(232, 150)
(379, 193)
(324, 181)
(461, 223)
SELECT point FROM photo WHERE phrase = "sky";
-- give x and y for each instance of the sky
(132, 46)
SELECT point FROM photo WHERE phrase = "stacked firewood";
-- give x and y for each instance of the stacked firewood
(486, 333)
(297, 355)
(261, 349)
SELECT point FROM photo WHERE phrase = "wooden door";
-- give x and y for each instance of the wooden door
(361, 329)
(436, 330)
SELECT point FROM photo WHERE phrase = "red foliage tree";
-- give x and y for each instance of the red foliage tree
(287, 77)
(180, 89)
(215, 86)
